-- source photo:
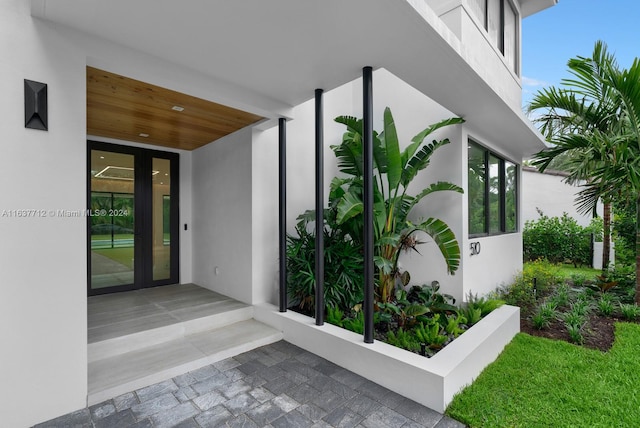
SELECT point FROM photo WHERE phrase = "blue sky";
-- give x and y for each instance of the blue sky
(570, 29)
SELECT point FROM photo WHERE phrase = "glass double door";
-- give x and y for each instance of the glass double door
(132, 218)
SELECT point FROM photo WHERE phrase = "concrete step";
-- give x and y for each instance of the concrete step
(157, 328)
(128, 371)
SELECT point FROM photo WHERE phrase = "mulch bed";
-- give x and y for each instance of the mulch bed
(599, 333)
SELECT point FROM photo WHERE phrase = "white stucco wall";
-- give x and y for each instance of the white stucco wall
(485, 58)
(549, 193)
(500, 257)
(43, 309)
(222, 216)
(412, 112)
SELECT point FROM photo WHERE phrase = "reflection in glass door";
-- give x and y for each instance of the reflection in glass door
(133, 218)
(161, 202)
(111, 219)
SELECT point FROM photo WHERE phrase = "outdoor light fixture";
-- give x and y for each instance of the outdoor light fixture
(35, 105)
(177, 108)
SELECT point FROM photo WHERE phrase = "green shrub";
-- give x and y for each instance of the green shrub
(544, 314)
(521, 291)
(343, 269)
(557, 239)
(625, 278)
(403, 339)
(629, 311)
(355, 324)
(560, 296)
(605, 305)
(575, 333)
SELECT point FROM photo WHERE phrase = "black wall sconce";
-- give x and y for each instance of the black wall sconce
(35, 105)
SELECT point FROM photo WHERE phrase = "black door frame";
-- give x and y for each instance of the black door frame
(143, 249)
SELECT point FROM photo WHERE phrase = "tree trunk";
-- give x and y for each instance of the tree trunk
(606, 235)
(638, 250)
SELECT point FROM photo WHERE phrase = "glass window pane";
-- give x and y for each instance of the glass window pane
(510, 36)
(494, 194)
(112, 217)
(493, 18)
(511, 197)
(161, 210)
(479, 10)
(476, 180)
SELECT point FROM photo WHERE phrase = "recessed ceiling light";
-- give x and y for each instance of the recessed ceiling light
(177, 108)
(143, 135)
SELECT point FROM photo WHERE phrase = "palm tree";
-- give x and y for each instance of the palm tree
(596, 118)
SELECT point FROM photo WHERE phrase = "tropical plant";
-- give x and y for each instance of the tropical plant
(343, 269)
(598, 119)
(431, 334)
(403, 339)
(605, 305)
(405, 311)
(630, 311)
(335, 316)
(430, 297)
(394, 171)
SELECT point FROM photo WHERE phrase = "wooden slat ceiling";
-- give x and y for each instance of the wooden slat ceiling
(123, 108)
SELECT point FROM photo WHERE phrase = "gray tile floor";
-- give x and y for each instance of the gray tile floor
(278, 385)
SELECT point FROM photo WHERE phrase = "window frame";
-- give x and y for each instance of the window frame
(501, 31)
(502, 193)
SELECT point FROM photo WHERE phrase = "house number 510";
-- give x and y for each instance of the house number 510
(474, 247)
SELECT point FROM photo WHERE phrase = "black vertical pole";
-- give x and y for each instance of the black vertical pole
(367, 152)
(282, 211)
(319, 210)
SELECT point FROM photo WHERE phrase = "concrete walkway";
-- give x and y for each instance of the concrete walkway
(278, 385)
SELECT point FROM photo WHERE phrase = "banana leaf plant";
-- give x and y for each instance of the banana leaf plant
(394, 170)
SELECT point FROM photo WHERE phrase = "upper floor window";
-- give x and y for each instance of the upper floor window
(492, 192)
(500, 19)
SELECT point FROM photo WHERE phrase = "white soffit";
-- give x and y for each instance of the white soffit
(284, 49)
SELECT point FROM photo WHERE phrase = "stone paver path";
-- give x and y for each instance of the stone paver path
(278, 385)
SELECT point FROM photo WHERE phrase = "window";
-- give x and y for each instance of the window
(500, 19)
(492, 193)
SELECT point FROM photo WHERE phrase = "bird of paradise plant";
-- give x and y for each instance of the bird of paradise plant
(394, 170)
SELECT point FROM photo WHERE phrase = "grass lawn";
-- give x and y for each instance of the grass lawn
(537, 382)
(568, 270)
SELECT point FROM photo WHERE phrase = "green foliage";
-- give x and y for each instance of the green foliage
(543, 316)
(335, 316)
(394, 170)
(575, 333)
(560, 296)
(625, 278)
(472, 314)
(431, 333)
(486, 305)
(521, 291)
(430, 297)
(605, 305)
(403, 339)
(557, 239)
(630, 312)
(454, 324)
(343, 269)
(355, 324)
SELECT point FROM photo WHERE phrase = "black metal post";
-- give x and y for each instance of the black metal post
(319, 210)
(282, 210)
(367, 153)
